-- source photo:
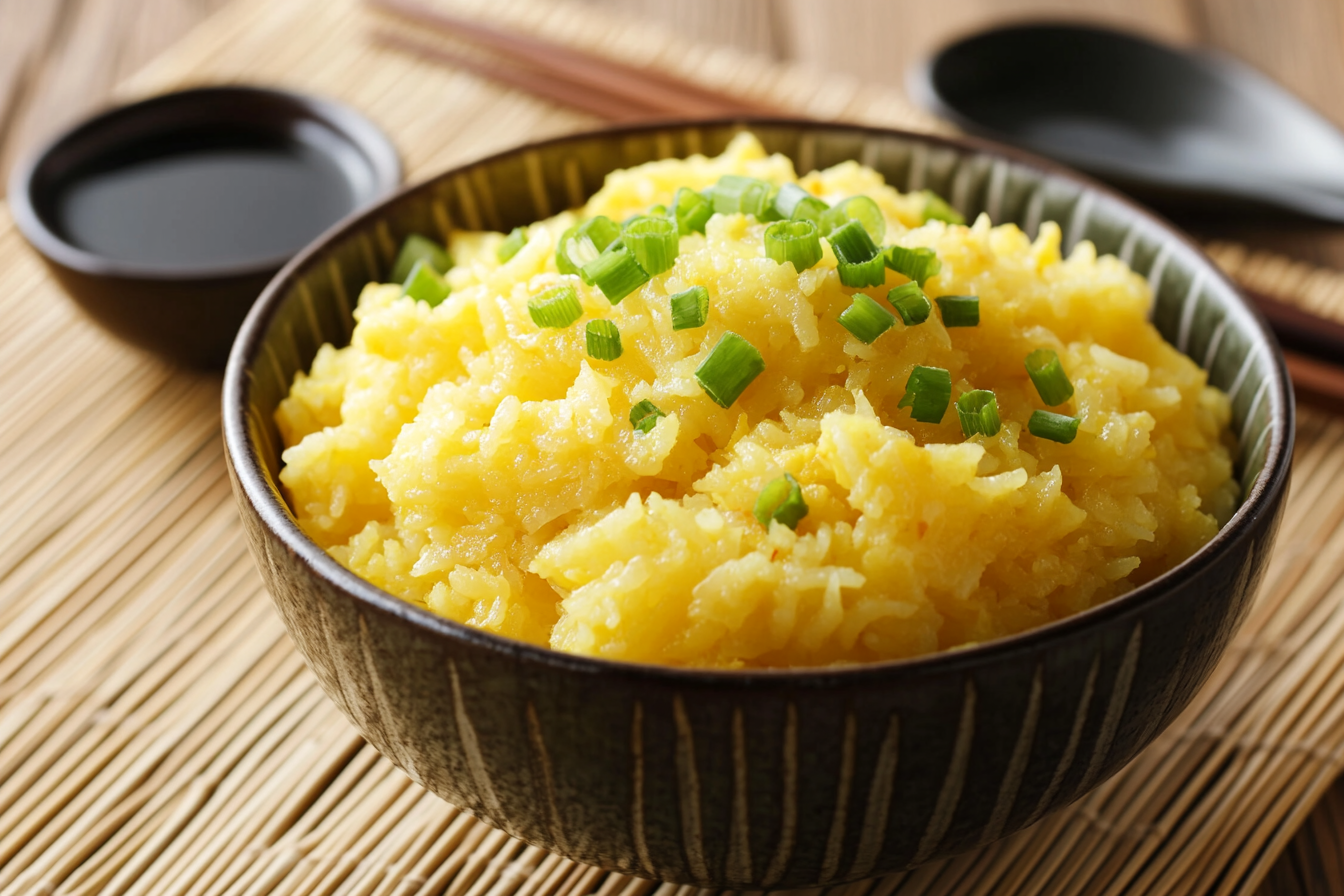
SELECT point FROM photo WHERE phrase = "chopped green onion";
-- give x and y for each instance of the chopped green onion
(787, 198)
(653, 242)
(644, 416)
(792, 201)
(852, 244)
(810, 209)
(571, 254)
(959, 311)
(582, 243)
(556, 308)
(690, 309)
(782, 501)
(419, 248)
(424, 284)
(832, 219)
(928, 392)
(516, 240)
(911, 303)
(616, 273)
(1055, 427)
(866, 319)
(691, 211)
(767, 211)
(604, 340)
(795, 242)
(729, 368)
(918, 264)
(872, 272)
(601, 230)
(736, 193)
(937, 209)
(866, 212)
(1052, 384)
(978, 411)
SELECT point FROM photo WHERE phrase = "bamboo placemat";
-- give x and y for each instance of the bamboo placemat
(158, 734)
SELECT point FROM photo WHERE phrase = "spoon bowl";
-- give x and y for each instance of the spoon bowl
(1180, 127)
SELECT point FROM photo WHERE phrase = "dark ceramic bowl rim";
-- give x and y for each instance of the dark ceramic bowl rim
(249, 468)
(368, 139)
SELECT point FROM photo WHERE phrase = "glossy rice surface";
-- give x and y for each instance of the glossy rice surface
(468, 461)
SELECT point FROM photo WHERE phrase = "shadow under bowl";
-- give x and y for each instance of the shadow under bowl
(165, 219)
(776, 778)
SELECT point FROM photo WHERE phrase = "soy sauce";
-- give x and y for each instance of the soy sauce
(207, 199)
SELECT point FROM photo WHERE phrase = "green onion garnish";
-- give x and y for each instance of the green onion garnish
(616, 273)
(782, 501)
(653, 242)
(690, 309)
(866, 319)
(872, 272)
(419, 248)
(866, 212)
(928, 392)
(795, 242)
(570, 254)
(736, 193)
(556, 308)
(1055, 427)
(691, 211)
(729, 368)
(516, 240)
(787, 198)
(833, 218)
(1052, 384)
(979, 413)
(852, 244)
(911, 303)
(424, 284)
(601, 230)
(959, 311)
(792, 201)
(918, 264)
(937, 209)
(582, 244)
(604, 340)
(644, 416)
(810, 209)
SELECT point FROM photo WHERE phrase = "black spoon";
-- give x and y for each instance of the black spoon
(1179, 127)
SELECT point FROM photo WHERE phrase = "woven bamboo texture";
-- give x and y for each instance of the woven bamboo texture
(158, 733)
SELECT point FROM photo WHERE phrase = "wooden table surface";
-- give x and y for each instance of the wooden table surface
(60, 58)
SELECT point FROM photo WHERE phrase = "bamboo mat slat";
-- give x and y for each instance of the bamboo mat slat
(158, 734)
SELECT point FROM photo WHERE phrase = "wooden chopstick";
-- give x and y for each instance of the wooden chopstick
(1316, 382)
(550, 86)
(665, 95)
(1313, 347)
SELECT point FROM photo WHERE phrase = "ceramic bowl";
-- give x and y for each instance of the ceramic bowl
(759, 779)
(189, 313)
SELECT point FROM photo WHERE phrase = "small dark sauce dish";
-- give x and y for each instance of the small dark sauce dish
(164, 219)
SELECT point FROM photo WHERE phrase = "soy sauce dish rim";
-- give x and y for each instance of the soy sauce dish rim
(258, 495)
(252, 110)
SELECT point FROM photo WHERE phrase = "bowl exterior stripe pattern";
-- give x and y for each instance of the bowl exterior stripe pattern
(776, 778)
